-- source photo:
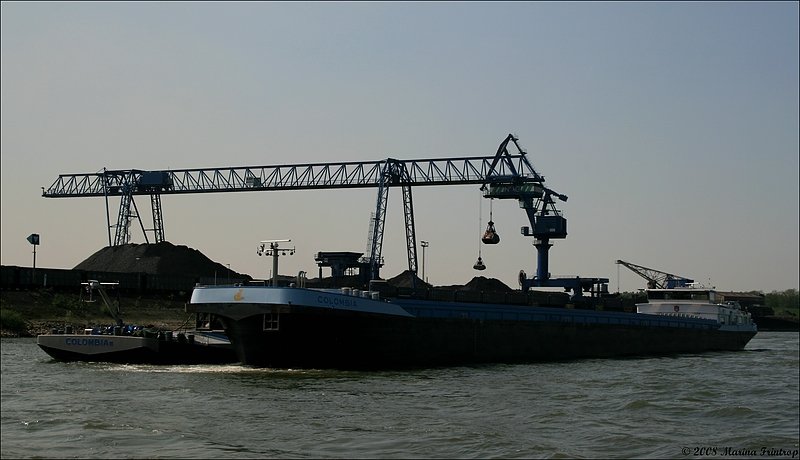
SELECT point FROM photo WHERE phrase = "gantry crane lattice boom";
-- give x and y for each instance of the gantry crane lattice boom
(382, 174)
(441, 171)
(504, 175)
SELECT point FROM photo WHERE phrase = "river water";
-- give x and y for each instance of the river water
(722, 405)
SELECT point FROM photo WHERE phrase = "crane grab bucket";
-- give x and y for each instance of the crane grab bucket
(490, 236)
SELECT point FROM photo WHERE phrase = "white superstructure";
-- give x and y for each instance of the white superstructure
(696, 303)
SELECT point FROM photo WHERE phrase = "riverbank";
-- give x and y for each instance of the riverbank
(28, 313)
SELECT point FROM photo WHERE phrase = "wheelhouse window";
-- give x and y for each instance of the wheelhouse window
(704, 295)
(681, 295)
(272, 321)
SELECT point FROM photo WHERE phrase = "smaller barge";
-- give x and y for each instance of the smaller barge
(197, 347)
(128, 344)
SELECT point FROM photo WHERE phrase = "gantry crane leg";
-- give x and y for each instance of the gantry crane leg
(126, 214)
(158, 219)
(411, 237)
(122, 234)
(377, 231)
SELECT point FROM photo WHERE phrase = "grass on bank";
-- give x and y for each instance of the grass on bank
(784, 303)
(31, 311)
(12, 321)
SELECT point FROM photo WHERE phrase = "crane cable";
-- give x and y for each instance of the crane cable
(479, 265)
(480, 223)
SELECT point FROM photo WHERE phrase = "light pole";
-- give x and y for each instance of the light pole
(424, 245)
(33, 239)
(229, 273)
(271, 248)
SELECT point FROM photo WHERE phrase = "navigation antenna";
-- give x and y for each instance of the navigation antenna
(272, 248)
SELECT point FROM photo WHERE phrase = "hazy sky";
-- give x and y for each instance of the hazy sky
(672, 127)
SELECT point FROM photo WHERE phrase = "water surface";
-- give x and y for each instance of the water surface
(612, 408)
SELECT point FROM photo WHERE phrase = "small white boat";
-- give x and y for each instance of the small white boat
(693, 302)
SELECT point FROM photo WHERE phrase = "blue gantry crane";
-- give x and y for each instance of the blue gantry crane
(505, 175)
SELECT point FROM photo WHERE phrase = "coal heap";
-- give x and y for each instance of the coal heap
(406, 278)
(353, 281)
(166, 258)
(157, 259)
(481, 283)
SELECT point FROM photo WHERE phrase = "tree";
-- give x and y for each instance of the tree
(784, 303)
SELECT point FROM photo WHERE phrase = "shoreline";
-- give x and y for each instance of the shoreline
(43, 310)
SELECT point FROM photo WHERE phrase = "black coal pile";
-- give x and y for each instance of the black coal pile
(481, 283)
(353, 281)
(157, 259)
(408, 279)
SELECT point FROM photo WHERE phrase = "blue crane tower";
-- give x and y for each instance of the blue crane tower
(505, 175)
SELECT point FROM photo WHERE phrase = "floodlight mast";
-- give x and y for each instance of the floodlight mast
(271, 248)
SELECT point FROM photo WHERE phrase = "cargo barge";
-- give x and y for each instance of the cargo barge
(291, 327)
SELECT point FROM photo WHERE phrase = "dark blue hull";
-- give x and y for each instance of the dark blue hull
(315, 338)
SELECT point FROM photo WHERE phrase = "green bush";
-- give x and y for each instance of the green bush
(64, 302)
(94, 309)
(784, 302)
(12, 321)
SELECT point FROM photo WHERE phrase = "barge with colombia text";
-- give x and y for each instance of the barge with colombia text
(130, 344)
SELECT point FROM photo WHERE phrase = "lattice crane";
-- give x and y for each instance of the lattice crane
(503, 175)
(657, 279)
(383, 174)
